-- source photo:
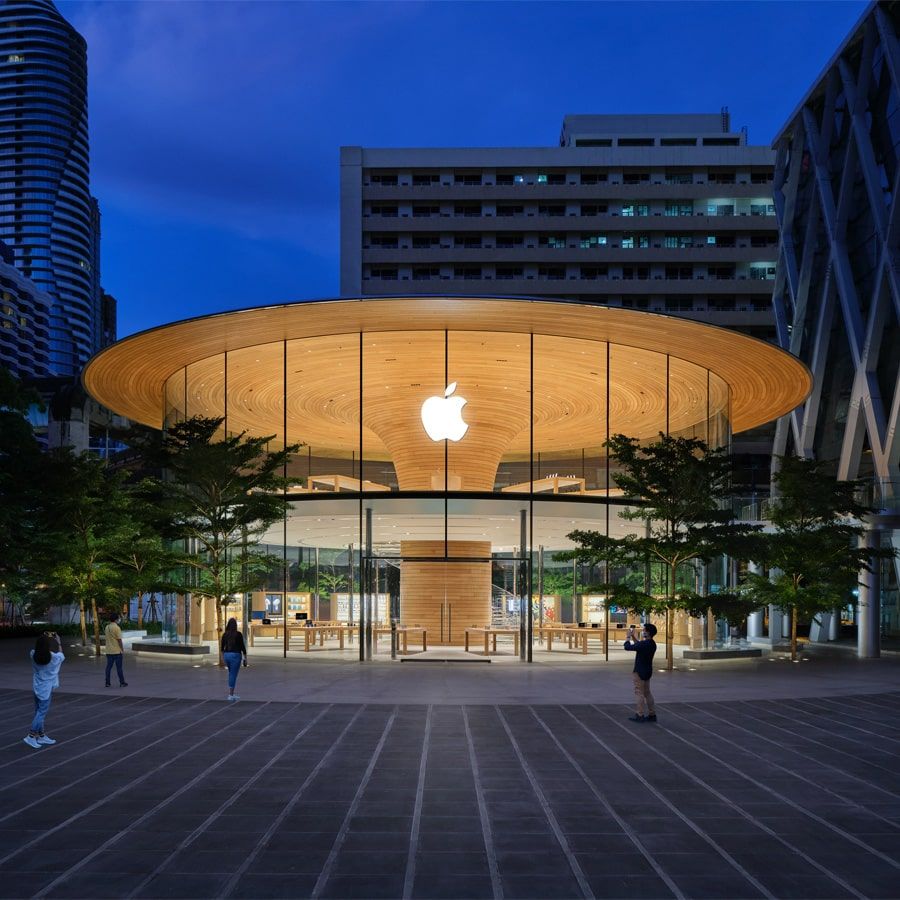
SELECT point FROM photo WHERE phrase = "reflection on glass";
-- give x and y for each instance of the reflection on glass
(175, 402)
(205, 385)
(401, 371)
(323, 413)
(569, 415)
(255, 392)
(719, 412)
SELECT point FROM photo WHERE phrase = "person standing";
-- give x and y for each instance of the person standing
(233, 651)
(644, 650)
(46, 659)
(115, 649)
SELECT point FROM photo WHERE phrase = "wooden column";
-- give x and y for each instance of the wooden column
(459, 590)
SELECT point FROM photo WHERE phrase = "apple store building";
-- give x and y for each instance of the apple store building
(448, 446)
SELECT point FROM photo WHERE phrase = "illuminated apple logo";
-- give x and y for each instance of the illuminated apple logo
(442, 416)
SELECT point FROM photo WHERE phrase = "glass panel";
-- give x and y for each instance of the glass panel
(489, 407)
(490, 531)
(408, 536)
(402, 372)
(637, 399)
(719, 412)
(687, 399)
(323, 413)
(569, 415)
(174, 398)
(206, 388)
(255, 392)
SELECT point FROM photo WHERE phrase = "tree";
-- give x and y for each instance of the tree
(20, 457)
(332, 581)
(218, 494)
(812, 551)
(145, 561)
(86, 523)
(684, 489)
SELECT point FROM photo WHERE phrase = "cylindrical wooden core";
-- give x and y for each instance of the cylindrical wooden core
(445, 597)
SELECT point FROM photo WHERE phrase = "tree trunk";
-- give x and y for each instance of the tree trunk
(670, 638)
(140, 609)
(96, 626)
(793, 634)
(219, 633)
(670, 621)
(83, 623)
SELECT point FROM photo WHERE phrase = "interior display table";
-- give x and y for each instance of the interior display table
(490, 636)
(403, 633)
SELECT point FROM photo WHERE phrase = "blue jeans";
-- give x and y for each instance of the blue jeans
(117, 659)
(233, 661)
(40, 713)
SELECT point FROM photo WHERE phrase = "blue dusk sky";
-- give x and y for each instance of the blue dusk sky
(216, 126)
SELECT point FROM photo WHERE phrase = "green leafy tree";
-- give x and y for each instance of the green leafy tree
(218, 494)
(813, 549)
(146, 562)
(20, 457)
(684, 492)
(332, 581)
(86, 522)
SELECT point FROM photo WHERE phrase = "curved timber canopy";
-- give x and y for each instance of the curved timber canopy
(765, 382)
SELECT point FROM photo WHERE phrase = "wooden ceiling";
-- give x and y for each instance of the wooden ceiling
(488, 355)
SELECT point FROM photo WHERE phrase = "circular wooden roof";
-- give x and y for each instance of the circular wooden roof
(766, 382)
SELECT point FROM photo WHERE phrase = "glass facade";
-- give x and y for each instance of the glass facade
(439, 472)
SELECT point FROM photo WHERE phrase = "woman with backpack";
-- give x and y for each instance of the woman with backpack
(46, 658)
(233, 650)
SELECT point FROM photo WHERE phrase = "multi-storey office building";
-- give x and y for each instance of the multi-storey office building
(667, 213)
(47, 215)
(24, 322)
(837, 296)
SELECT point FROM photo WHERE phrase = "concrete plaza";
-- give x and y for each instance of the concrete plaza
(335, 779)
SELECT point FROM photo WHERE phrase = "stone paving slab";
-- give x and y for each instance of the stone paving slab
(558, 677)
(168, 797)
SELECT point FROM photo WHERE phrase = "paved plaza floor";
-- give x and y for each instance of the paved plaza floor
(759, 780)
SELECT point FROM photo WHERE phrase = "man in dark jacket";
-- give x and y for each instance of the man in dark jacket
(643, 671)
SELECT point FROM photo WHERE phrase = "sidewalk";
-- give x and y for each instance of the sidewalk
(332, 677)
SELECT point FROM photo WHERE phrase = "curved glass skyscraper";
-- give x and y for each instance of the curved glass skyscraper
(47, 214)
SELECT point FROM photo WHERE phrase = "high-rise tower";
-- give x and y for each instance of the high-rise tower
(47, 215)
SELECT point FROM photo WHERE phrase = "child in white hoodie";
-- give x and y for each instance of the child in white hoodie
(46, 659)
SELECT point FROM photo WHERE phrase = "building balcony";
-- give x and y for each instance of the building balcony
(611, 285)
(538, 255)
(449, 223)
(531, 193)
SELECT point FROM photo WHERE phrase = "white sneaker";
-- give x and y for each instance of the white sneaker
(235, 697)
(32, 742)
(46, 739)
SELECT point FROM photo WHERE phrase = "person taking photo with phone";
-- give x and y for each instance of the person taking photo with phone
(643, 650)
(46, 659)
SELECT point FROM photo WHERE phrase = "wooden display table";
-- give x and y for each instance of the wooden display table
(257, 629)
(403, 632)
(490, 638)
(575, 637)
(554, 484)
(337, 483)
(313, 632)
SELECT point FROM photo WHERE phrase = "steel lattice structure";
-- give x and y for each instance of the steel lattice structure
(837, 296)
